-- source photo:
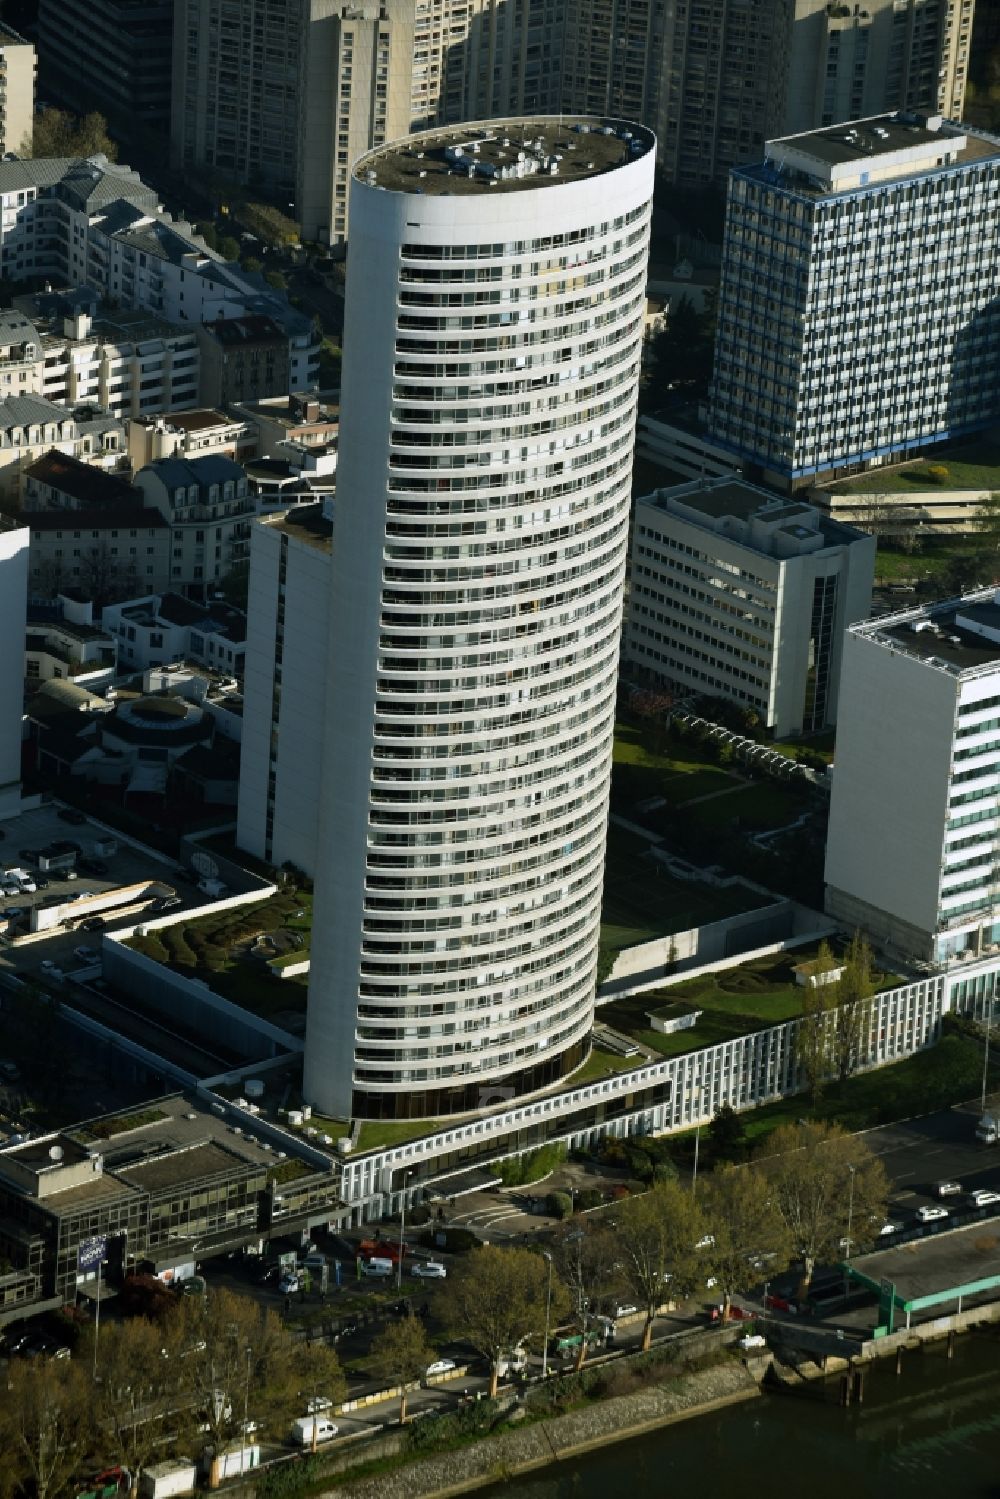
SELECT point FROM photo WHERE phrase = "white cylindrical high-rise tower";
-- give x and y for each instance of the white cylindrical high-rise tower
(494, 320)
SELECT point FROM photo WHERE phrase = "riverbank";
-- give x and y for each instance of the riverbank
(511, 1452)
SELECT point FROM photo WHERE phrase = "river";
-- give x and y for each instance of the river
(934, 1431)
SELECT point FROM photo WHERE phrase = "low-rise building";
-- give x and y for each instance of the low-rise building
(31, 426)
(201, 433)
(160, 629)
(310, 421)
(735, 592)
(64, 642)
(281, 783)
(914, 834)
(157, 1191)
(58, 481)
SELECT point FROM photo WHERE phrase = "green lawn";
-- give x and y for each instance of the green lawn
(642, 901)
(892, 564)
(766, 804)
(973, 466)
(601, 1064)
(819, 744)
(378, 1133)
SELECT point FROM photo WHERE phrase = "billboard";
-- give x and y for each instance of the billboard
(92, 1252)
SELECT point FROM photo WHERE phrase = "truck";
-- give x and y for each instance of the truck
(383, 1249)
(988, 1129)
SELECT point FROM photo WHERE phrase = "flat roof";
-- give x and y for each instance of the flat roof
(512, 155)
(936, 1269)
(187, 1164)
(934, 635)
(860, 139)
(306, 523)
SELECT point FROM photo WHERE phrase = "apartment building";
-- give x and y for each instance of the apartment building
(67, 348)
(13, 609)
(243, 359)
(63, 642)
(483, 496)
(914, 835)
(737, 593)
(17, 90)
(284, 708)
(91, 223)
(858, 316)
(208, 508)
(30, 426)
(111, 55)
(202, 433)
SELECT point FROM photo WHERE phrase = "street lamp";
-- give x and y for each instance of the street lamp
(850, 1222)
(548, 1309)
(407, 1176)
(986, 1053)
(697, 1141)
(246, 1413)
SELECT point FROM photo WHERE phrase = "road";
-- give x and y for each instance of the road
(919, 1153)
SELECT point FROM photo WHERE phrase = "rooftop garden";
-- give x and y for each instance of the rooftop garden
(233, 951)
(750, 997)
(120, 1124)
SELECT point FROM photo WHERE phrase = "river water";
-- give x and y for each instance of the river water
(934, 1431)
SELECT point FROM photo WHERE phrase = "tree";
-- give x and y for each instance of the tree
(852, 995)
(276, 281)
(56, 132)
(45, 1427)
(252, 265)
(961, 573)
(496, 1300)
(229, 248)
(585, 1258)
(656, 1234)
(208, 233)
(401, 1353)
(827, 1186)
(813, 1036)
(137, 1380)
(743, 1217)
(726, 1133)
(235, 1355)
(987, 519)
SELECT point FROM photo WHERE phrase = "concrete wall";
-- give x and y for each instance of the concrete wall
(192, 1003)
(720, 944)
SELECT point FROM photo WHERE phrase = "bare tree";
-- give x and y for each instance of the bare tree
(585, 1257)
(45, 1427)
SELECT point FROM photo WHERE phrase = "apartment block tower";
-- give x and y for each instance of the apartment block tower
(736, 592)
(492, 344)
(110, 55)
(17, 90)
(288, 614)
(858, 315)
(913, 854)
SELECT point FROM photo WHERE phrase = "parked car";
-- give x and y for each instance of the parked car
(70, 814)
(949, 1189)
(931, 1214)
(27, 885)
(432, 1270)
(752, 1340)
(289, 1283)
(983, 1197)
(889, 1228)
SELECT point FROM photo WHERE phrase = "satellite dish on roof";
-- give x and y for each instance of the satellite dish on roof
(56, 1153)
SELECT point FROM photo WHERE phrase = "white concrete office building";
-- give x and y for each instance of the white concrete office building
(284, 705)
(492, 344)
(738, 593)
(859, 322)
(914, 845)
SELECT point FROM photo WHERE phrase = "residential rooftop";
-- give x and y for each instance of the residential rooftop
(958, 636)
(308, 523)
(529, 151)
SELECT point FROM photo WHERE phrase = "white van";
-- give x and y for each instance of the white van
(430, 1270)
(302, 1430)
(377, 1269)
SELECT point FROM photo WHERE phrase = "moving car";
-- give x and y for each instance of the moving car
(949, 1189)
(983, 1197)
(931, 1214)
(432, 1270)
